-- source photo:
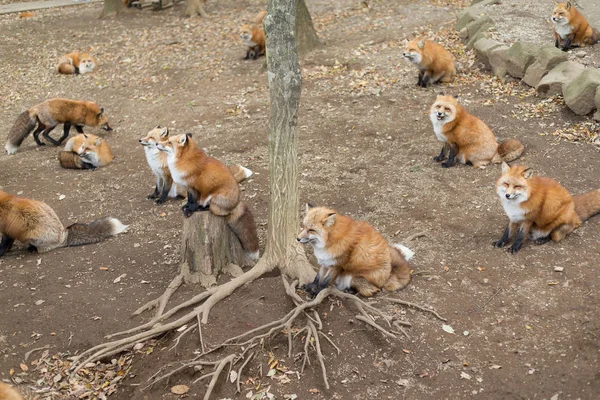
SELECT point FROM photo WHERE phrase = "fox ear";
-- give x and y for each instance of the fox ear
(165, 132)
(330, 220)
(183, 139)
(568, 5)
(158, 127)
(100, 113)
(84, 135)
(307, 207)
(505, 167)
(421, 44)
(456, 96)
(528, 173)
(188, 135)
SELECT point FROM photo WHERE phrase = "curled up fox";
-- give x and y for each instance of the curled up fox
(352, 254)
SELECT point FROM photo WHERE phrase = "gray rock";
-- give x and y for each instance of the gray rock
(467, 16)
(480, 24)
(483, 3)
(463, 34)
(546, 59)
(520, 57)
(579, 93)
(483, 47)
(552, 83)
(581, 54)
(498, 58)
(597, 115)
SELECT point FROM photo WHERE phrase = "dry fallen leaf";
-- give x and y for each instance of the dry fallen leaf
(24, 367)
(180, 389)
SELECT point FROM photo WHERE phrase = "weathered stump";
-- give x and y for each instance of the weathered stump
(208, 248)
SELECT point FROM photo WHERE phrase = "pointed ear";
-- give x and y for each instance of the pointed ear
(165, 132)
(307, 207)
(84, 135)
(441, 94)
(456, 96)
(505, 167)
(158, 127)
(98, 142)
(528, 173)
(183, 139)
(421, 43)
(330, 220)
(188, 135)
(568, 5)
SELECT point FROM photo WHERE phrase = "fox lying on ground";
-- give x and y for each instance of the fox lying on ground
(571, 28)
(36, 225)
(466, 138)
(85, 151)
(210, 186)
(48, 115)
(76, 63)
(352, 254)
(157, 160)
(541, 206)
(435, 63)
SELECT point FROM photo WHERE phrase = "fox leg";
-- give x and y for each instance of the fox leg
(66, 130)
(325, 276)
(36, 134)
(426, 78)
(420, 79)
(164, 191)
(568, 42)
(559, 233)
(247, 54)
(364, 287)
(46, 134)
(156, 192)
(79, 128)
(451, 157)
(313, 288)
(521, 235)
(6, 244)
(508, 234)
(192, 204)
(256, 53)
(443, 153)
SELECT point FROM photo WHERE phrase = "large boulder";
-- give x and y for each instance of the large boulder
(552, 83)
(520, 57)
(546, 59)
(482, 3)
(480, 24)
(579, 93)
(498, 59)
(483, 48)
(467, 16)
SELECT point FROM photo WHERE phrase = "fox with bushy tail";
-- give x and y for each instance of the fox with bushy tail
(35, 224)
(48, 115)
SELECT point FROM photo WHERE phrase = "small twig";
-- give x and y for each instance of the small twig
(370, 322)
(306, 343)
(418, 307)
(34, 350)
(227, 360)
(415, 236)
(319, 353)
(71, 334)
(239, 372)
(161, 302)
(331, 342)
(401, 329)
(180, 336)
(200, 333)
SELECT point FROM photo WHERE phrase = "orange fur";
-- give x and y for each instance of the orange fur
(49, 114)
(254, 37)
(435, 63)
(76, 63)
(85, 151)
(466, 138)
(210, 185)
(540, 206)
(571, 28)
(7, 392)
(352, 254)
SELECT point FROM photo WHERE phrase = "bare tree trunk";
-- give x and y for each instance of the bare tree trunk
(306, 36)
(194, 8)
(112, 7)
(285, 83)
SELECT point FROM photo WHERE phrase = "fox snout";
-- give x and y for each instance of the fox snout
(107, 128)
(440, 115)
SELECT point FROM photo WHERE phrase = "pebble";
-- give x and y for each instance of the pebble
(559, 269)
(581, 54)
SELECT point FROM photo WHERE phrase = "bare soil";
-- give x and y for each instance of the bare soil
(522, 330)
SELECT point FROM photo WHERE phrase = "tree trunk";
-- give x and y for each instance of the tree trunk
(208, 247)
(112, 7)
(194, 8)
(306, 35)
(284, 88)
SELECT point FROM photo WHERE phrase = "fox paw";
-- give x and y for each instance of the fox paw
(187, 211)
(446, 164)
(500, 243)
(312, 289)
(152, 196)
(160, 201)
(515, 248)
(438, 158)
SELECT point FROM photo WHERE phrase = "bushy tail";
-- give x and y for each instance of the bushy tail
(241, 222)
(400, 275)
(258, 20)
(97, 231)
(510, 149)
(587, 205)
(240, 173)
(595, 36)
(23, 126)
(9, 393)
(70, 160)
(65, 68)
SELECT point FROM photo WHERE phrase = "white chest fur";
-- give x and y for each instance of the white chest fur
(249, 43)
(323, 257)
(513, 210)
(177, 175)
(153, 156)
(438, 128)
(563, 30)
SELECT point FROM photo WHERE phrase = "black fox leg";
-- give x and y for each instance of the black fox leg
(522, 235)
(508, 232)
(154, 194)
(6, 244)
(36, 135)
(46, 134)
(567, 45)
(443, 153)
(425, 80)
(164, 192)
(312, 288)
(247, 54)
(556, 43)
(66, 130)
(451, 157)
(420, 80)
(192, 204)
(79, 128)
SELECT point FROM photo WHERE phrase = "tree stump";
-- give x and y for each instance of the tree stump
(209, 247)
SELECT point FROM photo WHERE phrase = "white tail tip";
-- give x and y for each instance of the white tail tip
(117, 226)
(406, 252)
(10, 148)
(247, 173)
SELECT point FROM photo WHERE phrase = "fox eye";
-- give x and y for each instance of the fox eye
(506, 185)
(517, 187)
(447, 109)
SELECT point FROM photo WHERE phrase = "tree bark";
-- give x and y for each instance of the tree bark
(112, 7)
(208, 247)
(306, 35)
(285, 83)
(194, 8)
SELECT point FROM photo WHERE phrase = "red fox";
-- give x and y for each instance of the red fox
(85, 151)
(435, 63)
(541, 206)
(7, 392)
(76, 63)
(466, 138)
(48, 115)
(571, 28)
(36, 225)
(254, 37)
(211, 183)
(157, 160)
(352, 254)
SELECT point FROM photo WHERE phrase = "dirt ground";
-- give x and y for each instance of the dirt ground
(521, 329)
